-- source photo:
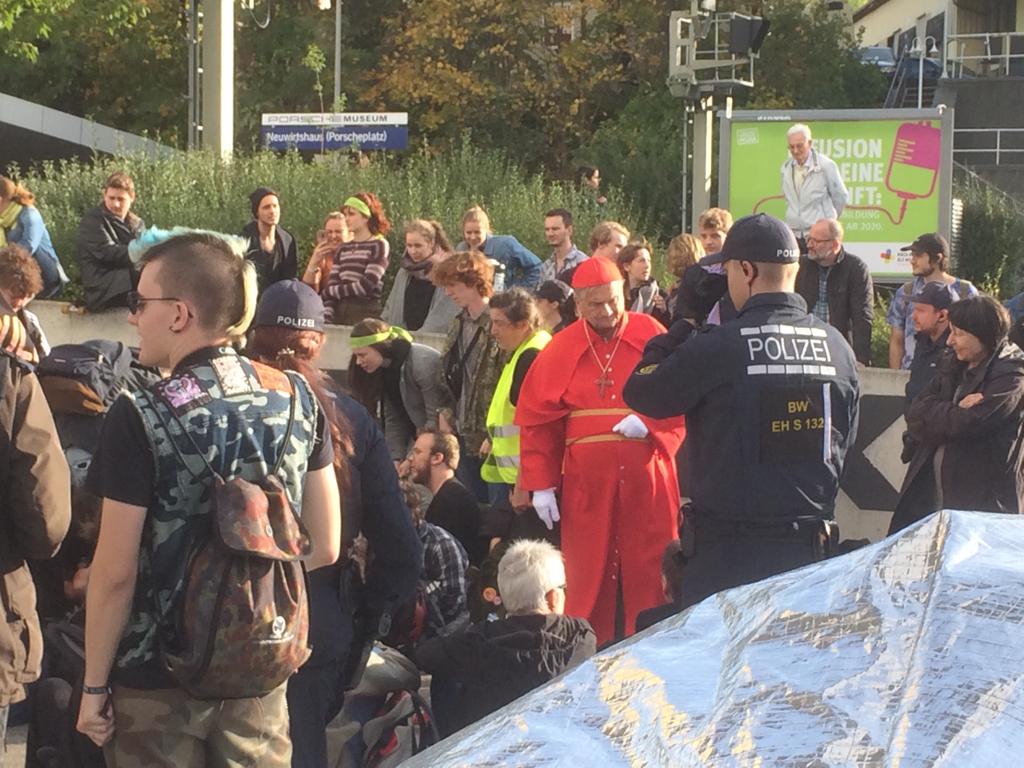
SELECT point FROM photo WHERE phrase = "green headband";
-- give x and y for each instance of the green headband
(357, 205)
(394, 332)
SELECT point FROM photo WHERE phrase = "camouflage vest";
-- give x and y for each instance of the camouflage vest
(237, 414)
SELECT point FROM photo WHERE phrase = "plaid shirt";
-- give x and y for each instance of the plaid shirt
(573, 258)
(820, 308)
(443, 578)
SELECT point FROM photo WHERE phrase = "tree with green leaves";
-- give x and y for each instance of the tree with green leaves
(25, 23)
(533, 76)
(808, 61)
(120, 62)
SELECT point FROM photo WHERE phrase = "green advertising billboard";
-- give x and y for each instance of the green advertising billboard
(896, 165)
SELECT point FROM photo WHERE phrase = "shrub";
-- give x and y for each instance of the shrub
(196, 189)
(992, 246)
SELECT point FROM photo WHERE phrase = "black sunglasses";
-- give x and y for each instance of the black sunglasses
(136, 302)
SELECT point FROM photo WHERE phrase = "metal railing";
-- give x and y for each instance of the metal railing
(985, 54)
(1008, 142)
(894, 98)
(964, 176)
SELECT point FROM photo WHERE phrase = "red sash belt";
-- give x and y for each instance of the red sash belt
(594, 425)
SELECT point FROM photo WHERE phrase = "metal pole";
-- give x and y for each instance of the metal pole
(195, 74)
(703, 136)
(920, 73)
(218, 83)
(337, 53)
(684, 207)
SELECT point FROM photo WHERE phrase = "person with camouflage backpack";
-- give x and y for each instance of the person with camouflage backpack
(203, 472)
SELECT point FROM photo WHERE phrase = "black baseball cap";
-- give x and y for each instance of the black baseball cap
(931, 243)
(761, 238)
(938, 295)
(554, 290)
(290, 304)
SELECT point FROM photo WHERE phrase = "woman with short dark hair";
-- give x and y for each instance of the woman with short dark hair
(515, 325)
(967, 425)
(643, 294)
(556, 305)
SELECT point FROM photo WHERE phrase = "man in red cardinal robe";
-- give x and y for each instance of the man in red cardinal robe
(616, 469)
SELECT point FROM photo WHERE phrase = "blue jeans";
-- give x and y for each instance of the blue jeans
(52, 283)
(468, 473)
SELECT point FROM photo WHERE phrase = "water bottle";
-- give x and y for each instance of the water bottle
(499, 275)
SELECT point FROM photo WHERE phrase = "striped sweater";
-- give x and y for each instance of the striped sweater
(357, 271)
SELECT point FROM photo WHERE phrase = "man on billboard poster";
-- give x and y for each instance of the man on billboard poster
(811, 184)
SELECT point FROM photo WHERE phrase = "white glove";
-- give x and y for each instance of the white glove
(632, 427)
(546, 506)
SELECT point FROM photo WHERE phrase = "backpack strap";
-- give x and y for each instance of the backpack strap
(185, 458)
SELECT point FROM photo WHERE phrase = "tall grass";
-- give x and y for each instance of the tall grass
(196, 189)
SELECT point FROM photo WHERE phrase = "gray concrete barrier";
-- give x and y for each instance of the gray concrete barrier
(873, 470)
(64, 326)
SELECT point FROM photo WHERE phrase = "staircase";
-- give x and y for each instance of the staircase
(903, 88)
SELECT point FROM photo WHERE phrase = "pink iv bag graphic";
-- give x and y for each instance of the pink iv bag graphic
(914, 163)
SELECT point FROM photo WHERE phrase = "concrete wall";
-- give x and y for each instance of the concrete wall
(873, 471)
(66, 327)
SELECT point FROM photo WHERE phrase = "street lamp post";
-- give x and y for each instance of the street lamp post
(337, 54)
(916, 49)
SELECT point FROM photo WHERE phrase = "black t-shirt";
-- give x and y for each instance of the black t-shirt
(123, 466)
(519, 374)
(418, 296)
(455, 509)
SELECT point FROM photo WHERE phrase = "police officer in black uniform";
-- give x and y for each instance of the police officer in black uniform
(771, 403)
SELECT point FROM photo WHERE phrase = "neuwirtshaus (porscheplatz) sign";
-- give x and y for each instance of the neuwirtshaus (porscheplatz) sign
(897, 165)
(335, 130)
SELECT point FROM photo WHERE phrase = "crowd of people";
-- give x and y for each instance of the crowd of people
(586, 453)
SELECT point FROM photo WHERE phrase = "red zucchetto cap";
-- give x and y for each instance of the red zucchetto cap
(595, 271)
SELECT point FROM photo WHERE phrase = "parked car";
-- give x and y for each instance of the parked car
(908, 67)
(880, 56)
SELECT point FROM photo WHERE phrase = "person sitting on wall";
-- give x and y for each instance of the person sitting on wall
(103, 236)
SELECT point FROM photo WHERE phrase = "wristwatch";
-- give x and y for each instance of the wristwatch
(97, 690)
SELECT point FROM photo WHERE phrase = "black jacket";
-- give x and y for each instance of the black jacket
(927, 354)
(284, 265)
(981, 466)
(771, 401)
(499, 661)
(34, 516)
(373, 506)
(103, 265)
(851, 299)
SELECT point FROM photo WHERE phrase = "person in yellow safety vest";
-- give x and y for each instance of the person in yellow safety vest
(515, 325)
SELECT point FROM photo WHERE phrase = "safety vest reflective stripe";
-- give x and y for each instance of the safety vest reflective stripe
(505, 430)
(502, 464)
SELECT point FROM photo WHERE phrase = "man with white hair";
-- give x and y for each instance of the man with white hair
(493, 663)
(811, 185)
